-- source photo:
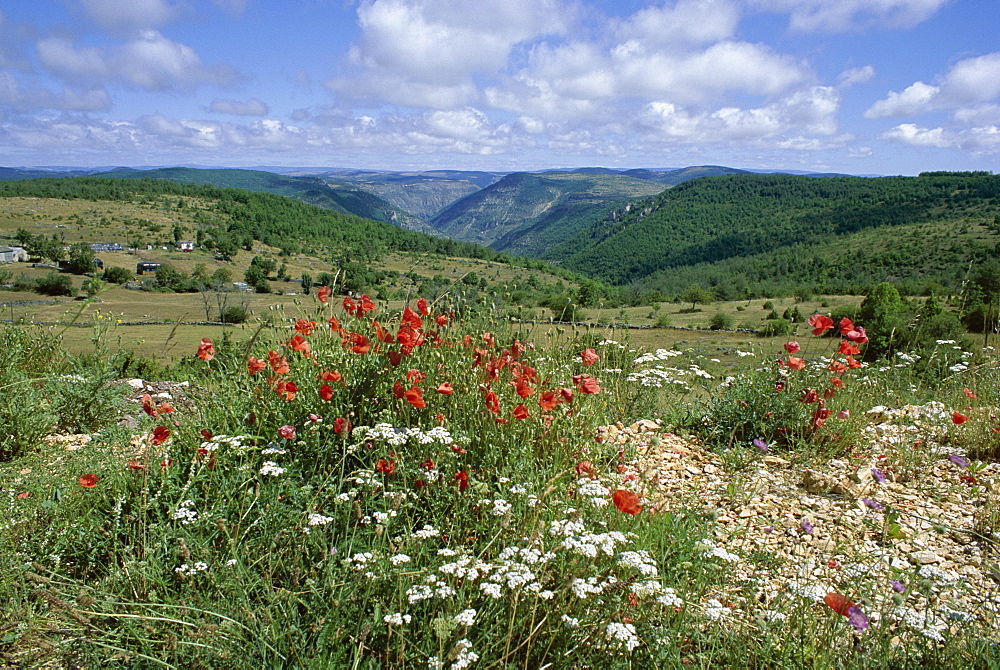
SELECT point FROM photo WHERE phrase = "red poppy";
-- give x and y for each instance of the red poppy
(492, 402)
(586, 469)
(415, 397)
(423, 307)
(857, 335)
(334, 323)
(848, 348)
(348, 305)
(409, 336)
(160, 434)
(323, 294)
(521, 412)
(411, 318)
(792, 347)
(329, 376)
(441, 320)
(305, 328)
(838, 603)
(88, 480)
(589, 357)
(853, 362)
(206, 351)
(287, 432)
(255, 365)
(286, 390)
(206, 433)
(445, 388)
(415, 375)
(148, 406)
(969, 393)
(958, 418)
(838, 382)
(779, 387)
(462, 477)
(340, 425)
(846, 326)
(586, 384)
(384, 466)
(809, 395)
(796, 363)
(548, 400)
(627, 501)
(836, 367)
(24, 494)
(820, 323)
(299, 344)
(278, 362)
(325, 392)
(359, 343)
(365, 305)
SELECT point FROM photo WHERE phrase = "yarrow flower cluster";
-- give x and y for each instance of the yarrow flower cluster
(184, 514)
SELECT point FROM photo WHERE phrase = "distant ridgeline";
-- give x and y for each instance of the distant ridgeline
(238, 217)
(755, 234)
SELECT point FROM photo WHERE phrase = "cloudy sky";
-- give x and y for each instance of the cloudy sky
(857, 86)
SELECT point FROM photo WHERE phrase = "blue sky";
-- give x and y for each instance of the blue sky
(856, 86)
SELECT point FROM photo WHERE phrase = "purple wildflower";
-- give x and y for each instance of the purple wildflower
(807, 527)
(878, 475)
(897, 586)
(959, 461)
(874, 504)
(857, 618)
(760, 444)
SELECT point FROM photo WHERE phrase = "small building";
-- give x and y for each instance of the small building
(13, 255)
(187, 246)
(105, 246)
(146, 266)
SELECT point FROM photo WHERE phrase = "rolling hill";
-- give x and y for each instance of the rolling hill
(830, 232)
(523, 199)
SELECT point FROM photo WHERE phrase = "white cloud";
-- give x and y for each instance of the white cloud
(909, 133)
(812, 111)
(129, 15)
(251, 107)
(412, 52)
(150, 61)
(915, 99)
(856, 75)
(687, 23)
(71, 99)
(972, 80)
(844, 15)
(980, 115)
(59, 56)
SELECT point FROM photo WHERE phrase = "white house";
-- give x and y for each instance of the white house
(13, 255)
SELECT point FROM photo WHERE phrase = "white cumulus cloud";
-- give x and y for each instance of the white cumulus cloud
(251, 107)
(844, 15)
(150, 61)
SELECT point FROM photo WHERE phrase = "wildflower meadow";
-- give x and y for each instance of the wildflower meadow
(427, 487)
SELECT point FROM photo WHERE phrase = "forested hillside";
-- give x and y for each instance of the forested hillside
(523, 199)
(341, 198)
(241, 216)
(834, 233)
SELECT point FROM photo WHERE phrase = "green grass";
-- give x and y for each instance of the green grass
(365, 519)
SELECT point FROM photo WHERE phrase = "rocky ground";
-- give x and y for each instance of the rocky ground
(917, 551)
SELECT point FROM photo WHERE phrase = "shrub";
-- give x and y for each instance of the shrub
(721, 321)
(776, 328)
(55, 284)
(117, 275)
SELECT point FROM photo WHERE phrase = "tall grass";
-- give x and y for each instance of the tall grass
(377, 489)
